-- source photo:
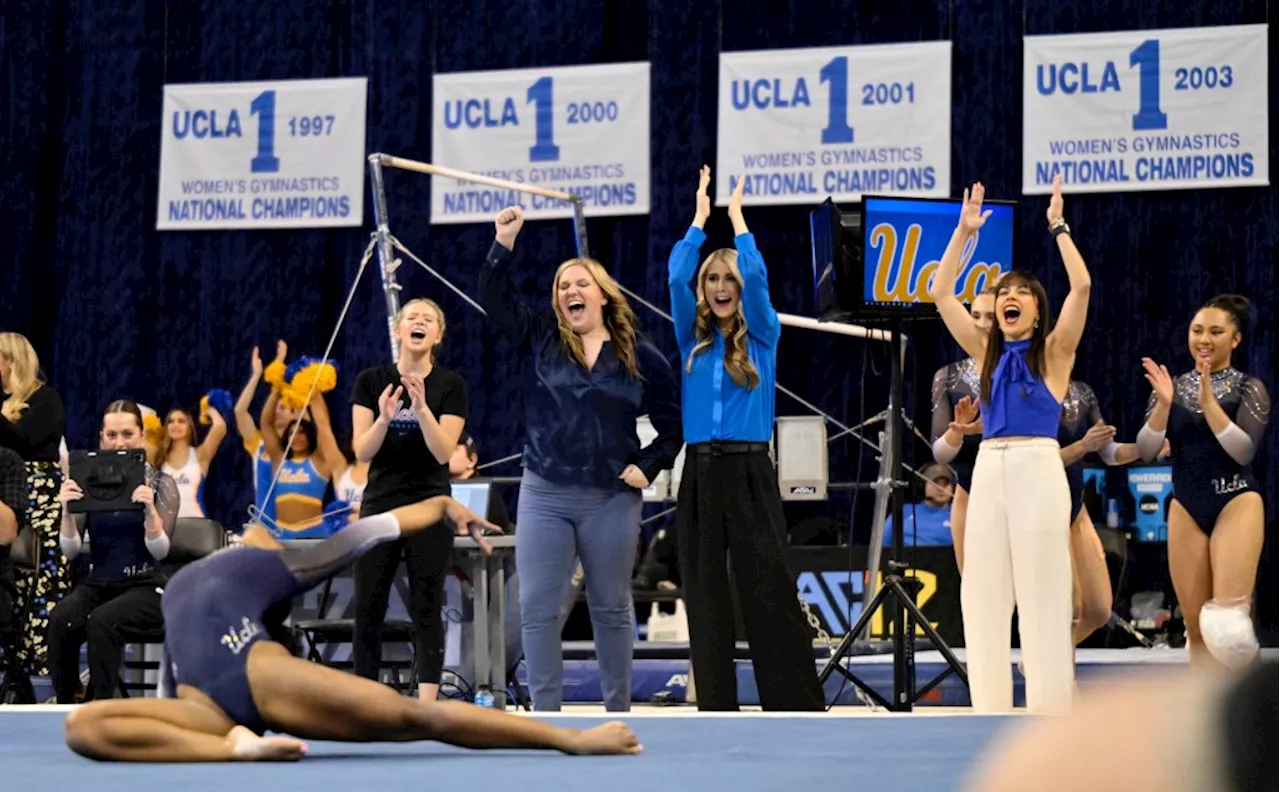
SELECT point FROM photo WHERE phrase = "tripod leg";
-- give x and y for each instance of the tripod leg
(933, 635)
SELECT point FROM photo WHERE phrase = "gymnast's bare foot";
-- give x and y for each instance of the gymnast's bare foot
(249, 747)
(611, 738)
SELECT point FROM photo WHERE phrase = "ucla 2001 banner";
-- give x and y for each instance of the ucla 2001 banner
(1146, 110)
(799, 125)
(287, 154)
(577, 129)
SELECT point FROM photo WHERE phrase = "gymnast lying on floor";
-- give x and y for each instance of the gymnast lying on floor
(226, 682)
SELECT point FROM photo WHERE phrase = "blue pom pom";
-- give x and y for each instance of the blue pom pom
(220, 400)
(302, 362)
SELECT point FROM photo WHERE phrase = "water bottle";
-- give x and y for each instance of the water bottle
(484, 697)
(1113, 514)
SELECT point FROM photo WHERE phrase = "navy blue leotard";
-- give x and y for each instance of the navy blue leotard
(951, 383)
(1205, 477)
(1079, 412)
(214, 609)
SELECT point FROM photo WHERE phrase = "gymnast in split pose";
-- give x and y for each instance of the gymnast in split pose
(1214, 418)
(232, 682)
(1017, 540)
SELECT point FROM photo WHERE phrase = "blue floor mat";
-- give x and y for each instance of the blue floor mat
(713, 753)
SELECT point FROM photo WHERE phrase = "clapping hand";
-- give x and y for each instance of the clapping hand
(1097, 437)
(1161, 382)
(389, 403)
(968, 419)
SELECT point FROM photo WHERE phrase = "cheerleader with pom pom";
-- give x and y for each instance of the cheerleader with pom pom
(178, 454)
(282, 419)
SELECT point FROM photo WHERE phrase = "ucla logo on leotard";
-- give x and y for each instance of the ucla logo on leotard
(237, 640)
(1225, 486)
(294, 476)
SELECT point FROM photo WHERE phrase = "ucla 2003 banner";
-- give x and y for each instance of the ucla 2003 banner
(577, 129)
(1146, 110)
(799, 125)
(287, 154)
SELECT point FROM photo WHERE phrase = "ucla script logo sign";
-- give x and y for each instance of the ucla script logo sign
(800, 125)
(1146, 110)
(904, 241)
(581, 129)
(286, 154)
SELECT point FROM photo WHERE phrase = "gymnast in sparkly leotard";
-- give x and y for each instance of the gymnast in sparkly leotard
(1214, 418)
(956, 425)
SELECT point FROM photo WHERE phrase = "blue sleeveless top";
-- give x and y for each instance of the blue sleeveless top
(1021, 405)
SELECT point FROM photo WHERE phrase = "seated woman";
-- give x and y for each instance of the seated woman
(122, 591)
(233, 683)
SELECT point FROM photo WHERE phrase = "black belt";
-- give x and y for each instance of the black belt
(718, 447)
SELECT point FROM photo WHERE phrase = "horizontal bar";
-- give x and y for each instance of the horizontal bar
(839, 328)
(449, 173)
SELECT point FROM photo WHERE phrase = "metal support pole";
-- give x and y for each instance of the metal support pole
(386, 259)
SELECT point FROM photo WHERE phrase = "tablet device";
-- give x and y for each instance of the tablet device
(108, 479)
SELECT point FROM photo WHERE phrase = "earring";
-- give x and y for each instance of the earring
(1037, 323)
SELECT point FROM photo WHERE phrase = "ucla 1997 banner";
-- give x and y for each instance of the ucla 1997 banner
(577, 129)
(800, 125)
(1146, 110)
(287, 154)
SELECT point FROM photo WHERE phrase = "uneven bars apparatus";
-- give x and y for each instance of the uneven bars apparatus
(391, 290)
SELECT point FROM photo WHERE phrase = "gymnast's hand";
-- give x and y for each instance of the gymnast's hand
(1206, 395)
(634, 477)
(703, 205)
(1161, 382)
(1098, 436)
(507, 226)
(469, 523)
(968, 419)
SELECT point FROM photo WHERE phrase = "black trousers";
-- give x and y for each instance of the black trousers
(427, 557)
(729, 516)
(103, 614)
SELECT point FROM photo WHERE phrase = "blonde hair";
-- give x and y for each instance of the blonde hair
(736, 360)
(619, 319)
(24, 373)
(439, 318)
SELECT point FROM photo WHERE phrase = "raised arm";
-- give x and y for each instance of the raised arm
(267, 428)
(497, 291)
(1075, 309)
(682, 266)
(244, 421)
(208, 449)
(762, 319)
(662, 403)
(326, 443)
(943, 286)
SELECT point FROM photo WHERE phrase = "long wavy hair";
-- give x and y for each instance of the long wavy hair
(166, 443)
(736, 360)
(618, 317)
(24, 373)
(995, 340)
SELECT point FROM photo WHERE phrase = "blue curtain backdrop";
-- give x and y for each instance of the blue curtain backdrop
(116, 309)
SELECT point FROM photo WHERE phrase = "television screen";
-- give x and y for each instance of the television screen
(905, 237)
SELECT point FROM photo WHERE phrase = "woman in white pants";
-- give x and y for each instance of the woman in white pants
(1017, 544)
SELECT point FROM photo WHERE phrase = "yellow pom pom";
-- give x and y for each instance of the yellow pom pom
(327, 377)
(293, 397)
(274, 374)
(204, 410)
(152, 429)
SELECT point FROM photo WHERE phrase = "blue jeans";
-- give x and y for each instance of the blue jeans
(555, 525)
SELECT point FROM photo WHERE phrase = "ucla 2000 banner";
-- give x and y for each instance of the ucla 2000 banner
(799, 125)
(1146, 110)
(578, 129)
(287, 154)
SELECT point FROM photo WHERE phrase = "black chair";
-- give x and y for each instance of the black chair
(322, 631)
(193, 538)
(23, 561)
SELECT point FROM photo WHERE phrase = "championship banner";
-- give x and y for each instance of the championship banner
(577, 129)
(800, 125)
(285, 154)
(1146, 110)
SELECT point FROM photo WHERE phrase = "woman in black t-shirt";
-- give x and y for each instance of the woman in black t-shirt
(406, 419)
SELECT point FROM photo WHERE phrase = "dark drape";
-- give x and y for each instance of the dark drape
(116, 309)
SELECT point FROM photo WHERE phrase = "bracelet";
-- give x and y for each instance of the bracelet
(1059, 226)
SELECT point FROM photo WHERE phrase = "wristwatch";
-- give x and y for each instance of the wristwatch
(1059, 226)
